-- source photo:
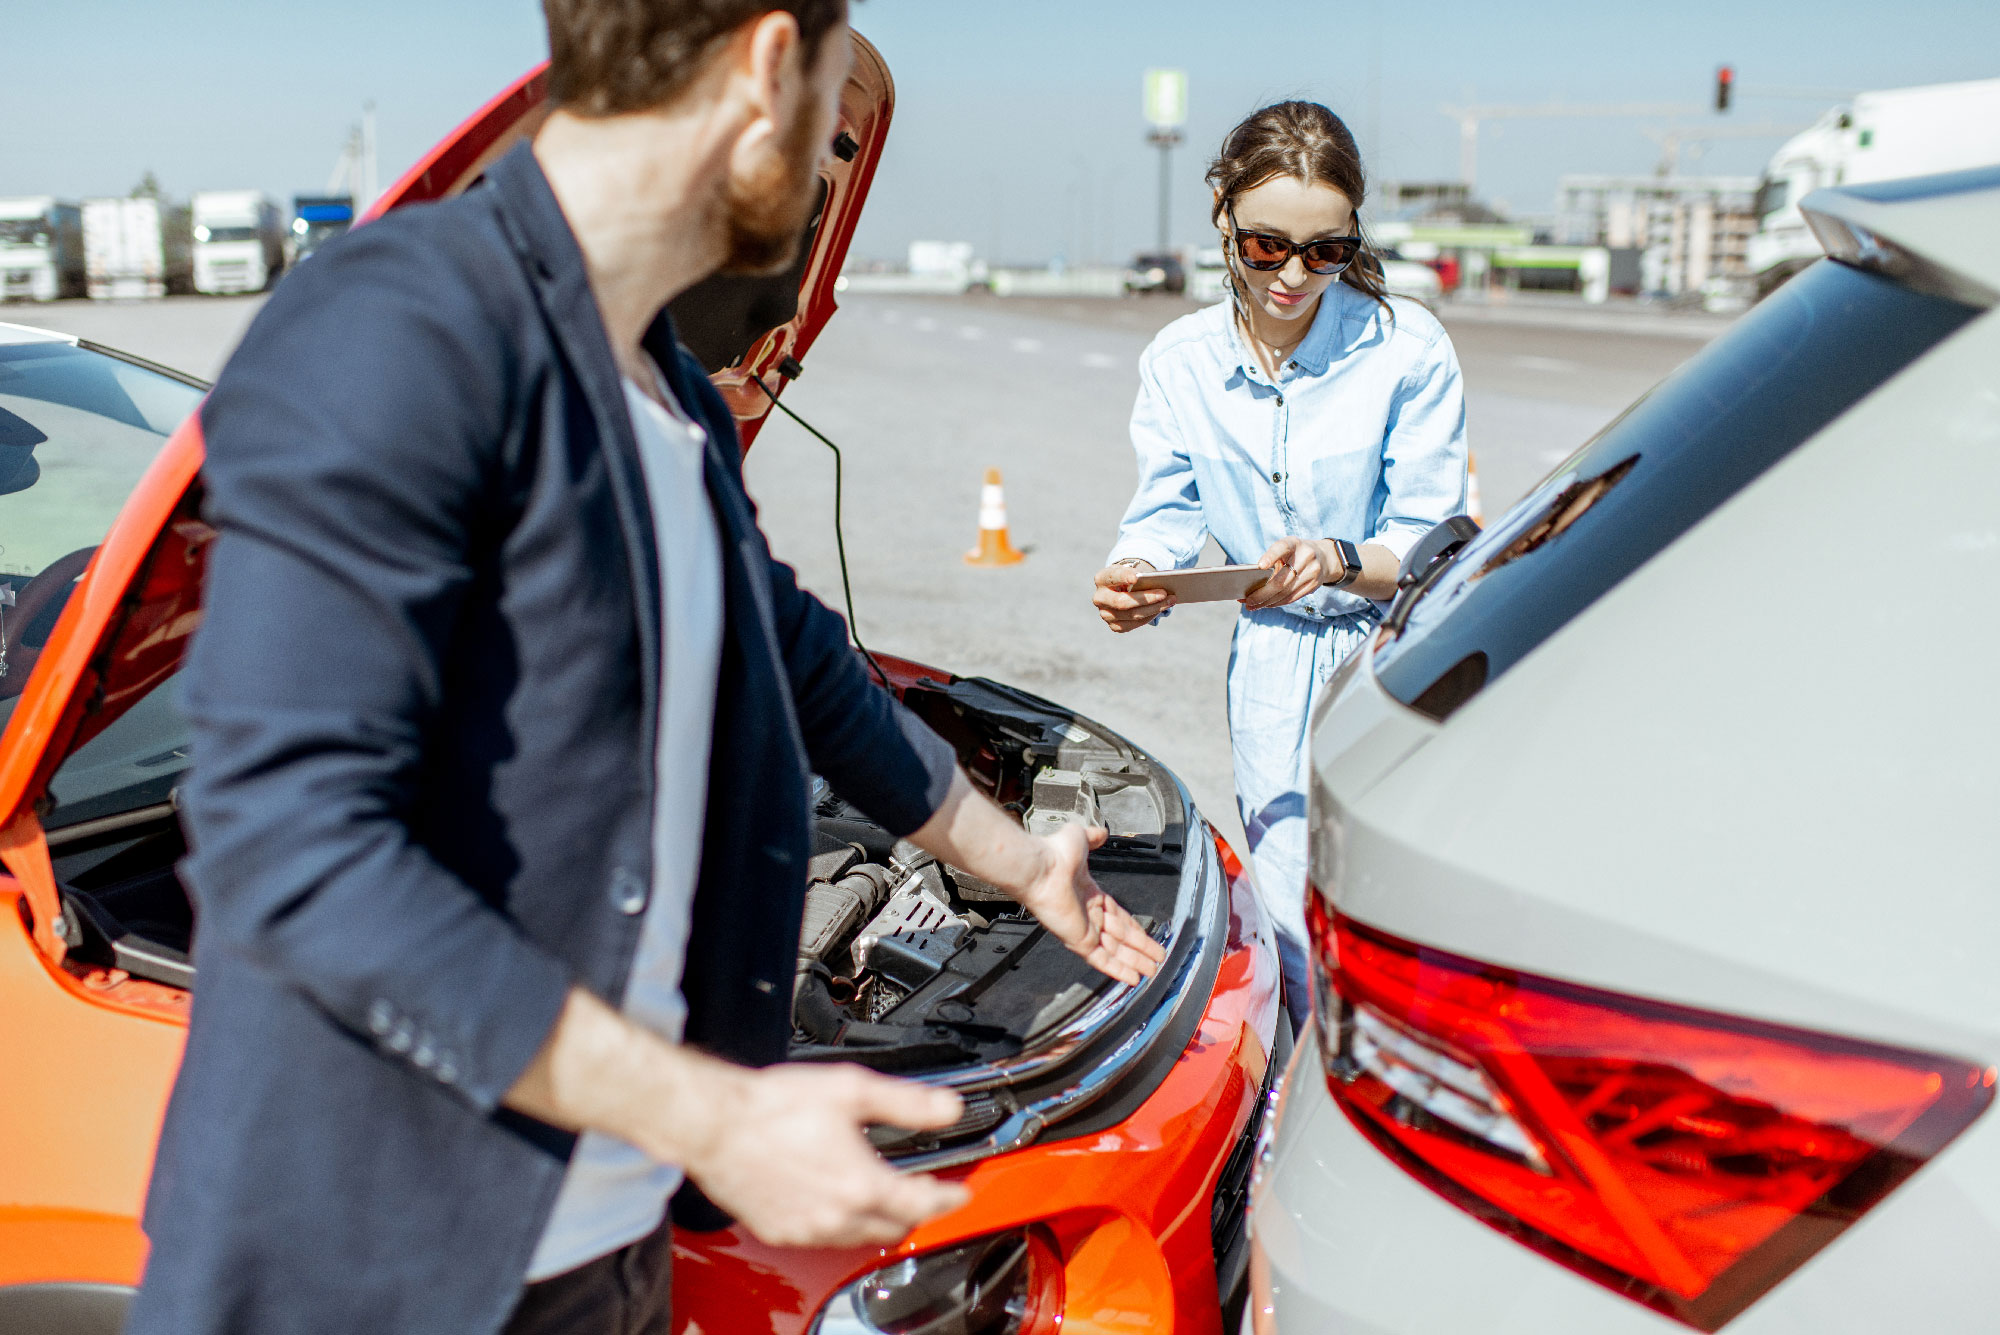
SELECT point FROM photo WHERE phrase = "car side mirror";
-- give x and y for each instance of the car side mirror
(1441, 542)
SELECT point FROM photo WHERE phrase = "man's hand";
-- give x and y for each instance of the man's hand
(1050, 877)
(782, 1149)
(1298, 567)
(1123, 607)
(1066, 900)
(787, 1157)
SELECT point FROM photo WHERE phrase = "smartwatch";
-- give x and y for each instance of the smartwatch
(1350, 562)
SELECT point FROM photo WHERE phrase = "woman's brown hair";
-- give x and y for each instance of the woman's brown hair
(1305, 141)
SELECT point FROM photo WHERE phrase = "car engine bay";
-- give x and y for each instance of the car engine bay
(906, 963)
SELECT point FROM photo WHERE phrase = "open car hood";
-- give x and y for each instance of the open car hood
(126, 626)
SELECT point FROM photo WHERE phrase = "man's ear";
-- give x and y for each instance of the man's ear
(770, 61)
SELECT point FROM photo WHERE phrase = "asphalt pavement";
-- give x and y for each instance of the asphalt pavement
(922, 395)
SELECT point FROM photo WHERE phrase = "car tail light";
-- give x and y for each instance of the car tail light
(1687, 1159)
(1006, 1284)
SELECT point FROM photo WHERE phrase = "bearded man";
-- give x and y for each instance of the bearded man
(503, 722)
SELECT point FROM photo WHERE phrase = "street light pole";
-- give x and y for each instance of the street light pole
(1165, 140)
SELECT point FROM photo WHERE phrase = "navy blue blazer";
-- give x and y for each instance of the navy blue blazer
(423, 703)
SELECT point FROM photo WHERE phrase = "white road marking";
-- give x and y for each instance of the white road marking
(1098, 361)
(925, 324)
(890, 315)
(1026, 345)
(971, 333)
(1552, 364)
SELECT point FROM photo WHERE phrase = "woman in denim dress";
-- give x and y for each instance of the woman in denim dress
(1310, 424)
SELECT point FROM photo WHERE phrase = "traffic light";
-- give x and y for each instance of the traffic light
(1725, 81)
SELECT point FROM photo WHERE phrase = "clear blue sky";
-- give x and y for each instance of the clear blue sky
(1018, 122)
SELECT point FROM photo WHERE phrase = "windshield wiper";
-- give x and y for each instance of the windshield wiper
(1426, 561)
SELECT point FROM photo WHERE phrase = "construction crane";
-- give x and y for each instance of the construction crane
(1469, 118)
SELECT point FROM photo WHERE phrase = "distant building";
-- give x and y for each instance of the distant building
(1427, 201)
(1666, 234)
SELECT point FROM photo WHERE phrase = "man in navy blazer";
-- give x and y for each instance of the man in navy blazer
(426, 786)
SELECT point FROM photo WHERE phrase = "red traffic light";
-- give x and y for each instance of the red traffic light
(1725, 81)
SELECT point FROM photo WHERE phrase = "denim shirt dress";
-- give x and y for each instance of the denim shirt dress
(1362, 436)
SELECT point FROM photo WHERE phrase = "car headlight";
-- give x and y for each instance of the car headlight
(1006, 1284)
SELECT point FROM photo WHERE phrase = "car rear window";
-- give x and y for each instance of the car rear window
(1797, 361)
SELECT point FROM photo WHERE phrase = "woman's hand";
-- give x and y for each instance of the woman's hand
(1123, 607)
(1298, 566)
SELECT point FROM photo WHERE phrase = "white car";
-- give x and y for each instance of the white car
(1407, 278)
(1657, 854)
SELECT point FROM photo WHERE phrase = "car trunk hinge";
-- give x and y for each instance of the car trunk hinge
(24, 849)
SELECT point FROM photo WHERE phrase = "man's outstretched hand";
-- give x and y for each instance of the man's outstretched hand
(1049, 876)
(1066, 900)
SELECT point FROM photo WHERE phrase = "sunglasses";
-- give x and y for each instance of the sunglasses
(1261, 250)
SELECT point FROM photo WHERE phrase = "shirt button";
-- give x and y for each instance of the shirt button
(1277, 477)
(628, 893)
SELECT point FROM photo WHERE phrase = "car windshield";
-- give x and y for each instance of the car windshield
(78, 428)
(24, 231)
(1772, 195)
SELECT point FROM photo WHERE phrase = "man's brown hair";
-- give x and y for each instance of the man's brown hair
(607, 57)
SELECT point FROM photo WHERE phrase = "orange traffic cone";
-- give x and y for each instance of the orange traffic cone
(993, 548)
(1473, 506)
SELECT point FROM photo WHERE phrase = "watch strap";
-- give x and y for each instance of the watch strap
(1350, 562)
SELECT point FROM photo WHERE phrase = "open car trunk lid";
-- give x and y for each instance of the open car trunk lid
(127, 624)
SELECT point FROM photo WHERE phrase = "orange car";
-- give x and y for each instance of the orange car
(1108, 1129)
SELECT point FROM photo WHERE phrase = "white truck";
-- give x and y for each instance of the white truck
(1878, 137)
(239, 242)
(41, 249)
(122, 250)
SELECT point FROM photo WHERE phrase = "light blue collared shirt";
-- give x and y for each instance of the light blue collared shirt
(1362, 437)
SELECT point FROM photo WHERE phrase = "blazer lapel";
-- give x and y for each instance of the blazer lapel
(555, 265)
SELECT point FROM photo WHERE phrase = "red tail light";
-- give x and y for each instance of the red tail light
(1687, 1159)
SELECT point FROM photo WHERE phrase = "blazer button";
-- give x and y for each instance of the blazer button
(628, 893)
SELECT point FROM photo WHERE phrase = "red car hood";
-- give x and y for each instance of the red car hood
(127, 625)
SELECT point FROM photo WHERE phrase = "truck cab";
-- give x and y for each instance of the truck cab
(316, 220)
(238, 244)
(1880, 136)
(41, 249)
